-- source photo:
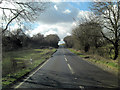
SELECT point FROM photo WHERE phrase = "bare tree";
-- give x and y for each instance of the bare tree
(109, 17)
(88, 34)
(20, 11)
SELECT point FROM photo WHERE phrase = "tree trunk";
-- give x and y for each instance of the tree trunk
(87, 47)
(116, 51)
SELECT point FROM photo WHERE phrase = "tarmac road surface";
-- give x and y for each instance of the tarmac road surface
(66, 70)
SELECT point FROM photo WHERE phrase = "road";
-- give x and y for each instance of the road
(66, 70)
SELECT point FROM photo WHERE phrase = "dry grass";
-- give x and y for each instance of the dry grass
(102, 62)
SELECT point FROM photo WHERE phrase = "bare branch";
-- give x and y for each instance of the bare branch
(8, 8)
(12, 20)
(107, 38)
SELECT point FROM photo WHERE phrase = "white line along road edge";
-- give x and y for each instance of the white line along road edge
(31, 75)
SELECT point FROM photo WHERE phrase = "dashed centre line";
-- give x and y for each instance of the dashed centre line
(75, 78)
(69, 66)
(81, 87)
(65, 59)
(70, 69)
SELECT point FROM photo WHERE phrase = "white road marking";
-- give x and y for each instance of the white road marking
(31, 75)
(81, 87)
(70, 69)
(65, 59)
(75, 78)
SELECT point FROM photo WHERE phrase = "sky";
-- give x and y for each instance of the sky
(59, 18)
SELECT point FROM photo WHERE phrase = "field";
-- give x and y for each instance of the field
(17, 63)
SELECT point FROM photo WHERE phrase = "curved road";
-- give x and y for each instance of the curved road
(66, 70)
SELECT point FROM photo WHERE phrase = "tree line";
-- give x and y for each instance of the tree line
(23, 12)
(18, 39)
(100, 29)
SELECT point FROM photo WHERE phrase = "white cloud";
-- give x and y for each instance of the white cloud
(68, 34)
(84, 14)
(57, 19)
(15, 26)
(62, 29)
(52, 22)
(74, 24)
(67, 11)
(56, 8)
(50, 32)
(50, 16)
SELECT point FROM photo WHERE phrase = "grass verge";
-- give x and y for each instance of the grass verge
(18, 63)
(106, 64)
